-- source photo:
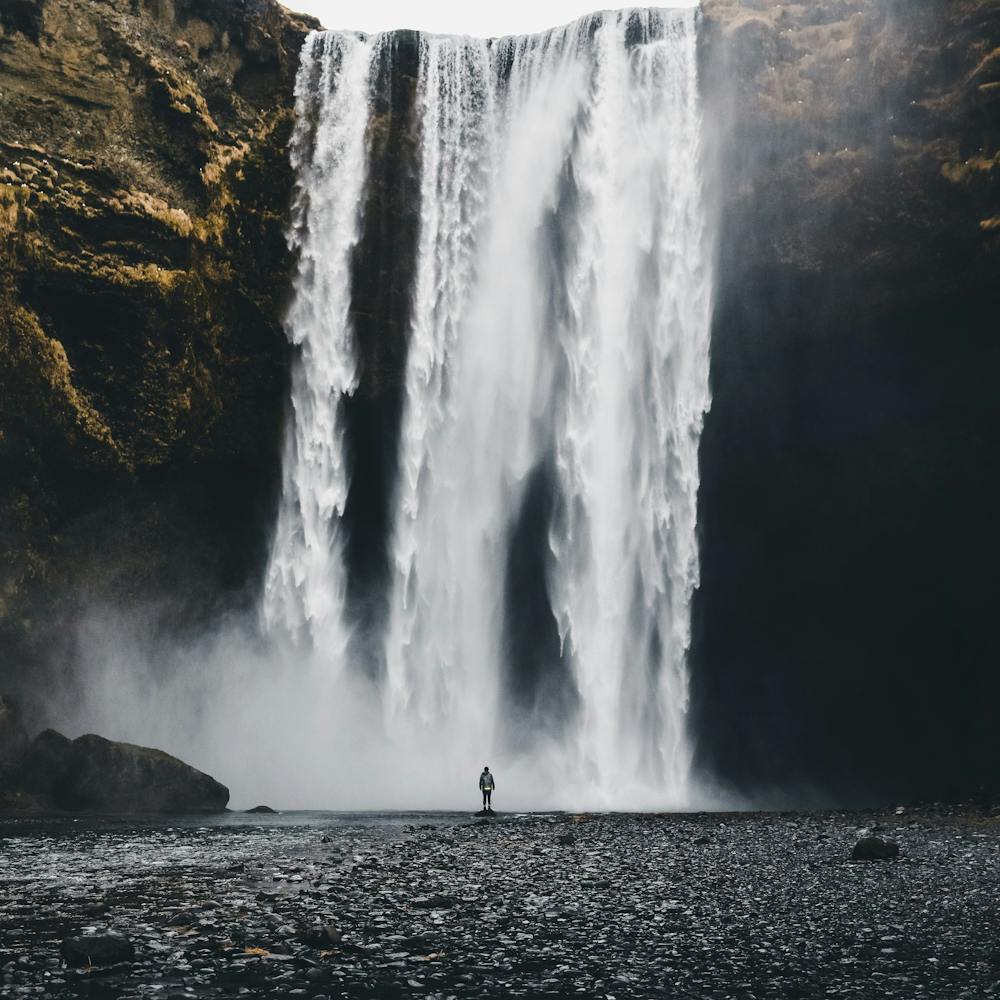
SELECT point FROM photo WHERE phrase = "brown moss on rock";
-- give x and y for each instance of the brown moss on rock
(144, 182)
(855, 138)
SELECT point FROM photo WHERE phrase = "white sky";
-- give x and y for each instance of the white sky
(484, 18)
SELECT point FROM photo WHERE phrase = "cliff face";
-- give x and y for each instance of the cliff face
(844, 635)
(144, 182)
(858, 138)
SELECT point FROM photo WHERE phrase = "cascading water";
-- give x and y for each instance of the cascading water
(544, 549)
(304, 589)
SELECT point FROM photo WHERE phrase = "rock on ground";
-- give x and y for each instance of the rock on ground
(875, 849)
(93, 774)
(97, 949)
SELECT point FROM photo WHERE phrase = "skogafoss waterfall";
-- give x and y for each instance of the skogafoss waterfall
(543, 550)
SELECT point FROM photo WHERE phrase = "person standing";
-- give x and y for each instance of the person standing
(486, 786)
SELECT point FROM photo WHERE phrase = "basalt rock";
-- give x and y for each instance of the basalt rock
(875, 849)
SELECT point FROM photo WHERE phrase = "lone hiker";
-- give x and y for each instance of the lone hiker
(486, 786)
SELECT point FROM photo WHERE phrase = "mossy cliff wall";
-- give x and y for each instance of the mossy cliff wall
(144, 182)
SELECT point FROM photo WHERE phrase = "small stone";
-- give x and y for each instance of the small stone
(320, 935)
(436, 902)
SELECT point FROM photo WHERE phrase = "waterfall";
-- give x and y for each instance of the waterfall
(544, 552)
(304, 590)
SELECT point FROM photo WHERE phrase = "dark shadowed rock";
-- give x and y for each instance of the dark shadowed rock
(13, 738)
(92, 774)
(144, 188)
(112, 777)
(14, 799)
(321, 935)
(45, 764)
(263, 809)
(875, 849)
(28, 777)
(97, 949)
(435, 902)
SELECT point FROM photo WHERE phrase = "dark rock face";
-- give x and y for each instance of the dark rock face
(119, 777)
(848, 504)
(97, 949)
(44, 767)
(875, 849)
(858, 146)
(13, 738)
(92, 774)
(144, 183)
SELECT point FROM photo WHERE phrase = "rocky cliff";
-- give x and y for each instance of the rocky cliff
(144, 182)
(844, 628)
(858, 137)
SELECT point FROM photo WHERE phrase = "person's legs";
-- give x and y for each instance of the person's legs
(488, 795)
(486, 798)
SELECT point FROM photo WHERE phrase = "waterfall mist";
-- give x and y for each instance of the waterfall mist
(543, 550)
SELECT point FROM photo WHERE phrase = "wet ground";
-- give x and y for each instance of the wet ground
(607, 906)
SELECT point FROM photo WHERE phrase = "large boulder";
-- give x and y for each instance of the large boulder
(93, 774)
(120, 777)
(46, 761)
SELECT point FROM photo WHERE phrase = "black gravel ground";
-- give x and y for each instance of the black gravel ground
(606, 906)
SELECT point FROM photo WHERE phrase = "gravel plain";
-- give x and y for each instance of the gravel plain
(742, 906)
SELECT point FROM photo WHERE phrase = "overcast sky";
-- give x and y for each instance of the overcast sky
(484, 18)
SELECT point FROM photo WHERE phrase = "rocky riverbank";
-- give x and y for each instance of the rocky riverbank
(612, 906)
